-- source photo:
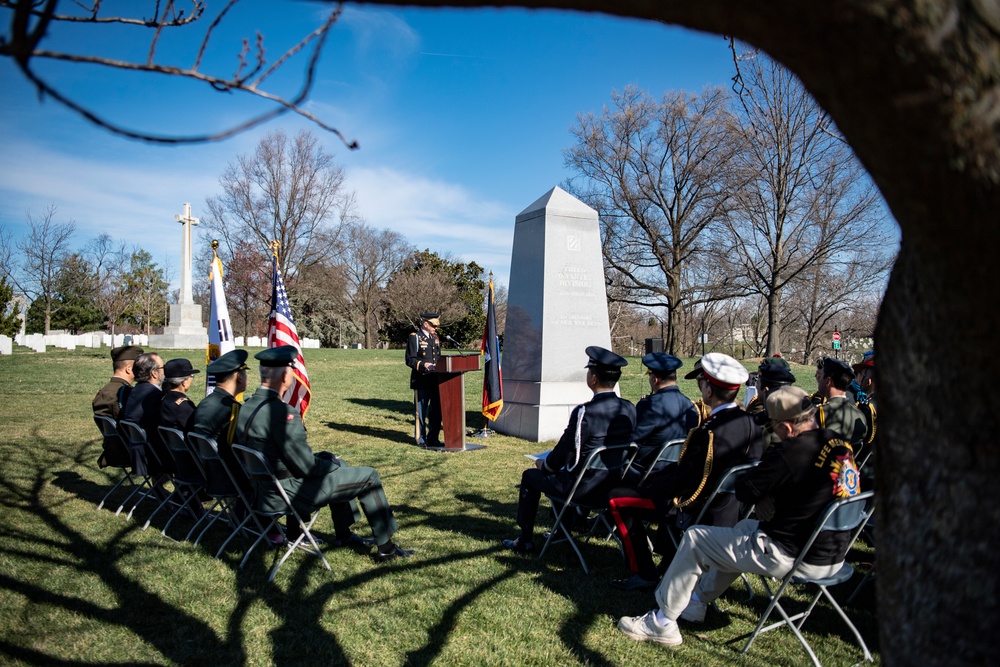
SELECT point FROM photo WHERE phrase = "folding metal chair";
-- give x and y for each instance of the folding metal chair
(668, 452)
(847, 514)
(138, 448)
(259, 470)
(225, 490)
(109, 430)
(189, 478)
(613, 459)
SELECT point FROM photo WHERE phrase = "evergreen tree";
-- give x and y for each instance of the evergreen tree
(10, 323)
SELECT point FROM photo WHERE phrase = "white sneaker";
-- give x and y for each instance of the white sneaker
(694, 612)
(645, 629)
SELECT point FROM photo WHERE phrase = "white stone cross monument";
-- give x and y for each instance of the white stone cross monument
(185, 329)
(556, 307)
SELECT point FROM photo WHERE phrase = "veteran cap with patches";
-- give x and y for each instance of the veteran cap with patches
(233, 360)
(178, 368)
(724, 371)
(661, 362)
(867, 361)
(433, 318)
(788, 404)
(602, 359)
(126, 353)
(284, 355)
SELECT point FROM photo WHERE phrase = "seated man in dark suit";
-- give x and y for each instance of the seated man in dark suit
(143, 408)
(311, 481)
(605, 420)
(110, 399)
(728, 437)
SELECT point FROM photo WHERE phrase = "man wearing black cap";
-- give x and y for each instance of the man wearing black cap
(270, 425)
(111, 397)
(423, 350)
(837, 412)
(773, 372)
(793, 484)
(176, 409)
(605, 420)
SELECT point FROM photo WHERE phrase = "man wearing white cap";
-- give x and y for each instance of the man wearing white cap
(794, 482)
(727, 437)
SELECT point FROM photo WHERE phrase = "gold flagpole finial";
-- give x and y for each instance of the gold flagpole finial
(274, 247)
(215, 244)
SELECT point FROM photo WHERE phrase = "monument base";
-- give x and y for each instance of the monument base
(185, 331)
(539, 411)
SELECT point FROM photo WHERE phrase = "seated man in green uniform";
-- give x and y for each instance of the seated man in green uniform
(110, 399)
(270, 425)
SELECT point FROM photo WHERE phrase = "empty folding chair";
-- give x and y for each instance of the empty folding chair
(257, 468)
(847, 514)
(109, 430)
(613, 459)
(188, 478)
(135, 440)
(231, 504)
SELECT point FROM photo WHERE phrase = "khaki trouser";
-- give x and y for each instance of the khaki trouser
(710, 558)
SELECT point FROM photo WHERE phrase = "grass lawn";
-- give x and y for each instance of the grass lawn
(82, 586)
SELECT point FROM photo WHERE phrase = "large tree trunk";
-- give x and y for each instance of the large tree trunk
(914, 88)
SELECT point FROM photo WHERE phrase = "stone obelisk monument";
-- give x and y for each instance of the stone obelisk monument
(556, 307)
(184, 329)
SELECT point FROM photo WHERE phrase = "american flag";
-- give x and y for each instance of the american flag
(281, 331)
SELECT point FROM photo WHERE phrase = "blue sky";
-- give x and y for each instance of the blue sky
(462, 118)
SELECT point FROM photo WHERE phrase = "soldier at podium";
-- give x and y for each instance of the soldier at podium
(423, 350)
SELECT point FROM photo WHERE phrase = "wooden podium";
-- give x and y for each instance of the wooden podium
(451, 369)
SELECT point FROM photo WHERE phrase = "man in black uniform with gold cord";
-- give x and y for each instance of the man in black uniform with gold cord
(423, 350)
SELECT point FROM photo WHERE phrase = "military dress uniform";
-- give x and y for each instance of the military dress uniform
(423, 348)
(605, 420)
(108, 401)
(662, 416)
(269, 425)
(840, 415)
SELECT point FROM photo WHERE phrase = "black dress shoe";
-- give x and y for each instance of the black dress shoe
(517, 546)
(634, 583)
(355, 542)
(392, 555)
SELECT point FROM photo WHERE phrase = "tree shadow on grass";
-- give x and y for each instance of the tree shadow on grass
(386, 404)
(391, 435)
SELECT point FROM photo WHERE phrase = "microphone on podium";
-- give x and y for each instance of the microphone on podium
(453, 342)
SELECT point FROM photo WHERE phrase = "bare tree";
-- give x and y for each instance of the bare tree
(31, 21)
(369, 258)
(288, 190)
(804, 198)
(110, 261)
(411, 293)
(657, 174)
(42, 254)
(247, 281)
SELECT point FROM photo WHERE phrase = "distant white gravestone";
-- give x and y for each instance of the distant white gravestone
(556, 307)
(6, 345)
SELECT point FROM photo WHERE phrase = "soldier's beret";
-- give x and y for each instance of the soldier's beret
(178, 368)
(661, 362)
(126, 353)
(433, 318)
(776, 360)
(695, 372)
(774, 376)
(603, 359)
(835, 368)
(227, 363)
(284, 355)
(787, 403)
(724, 371)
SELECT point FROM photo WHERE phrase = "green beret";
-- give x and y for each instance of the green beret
(227, 363)
(284, 355)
